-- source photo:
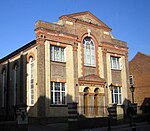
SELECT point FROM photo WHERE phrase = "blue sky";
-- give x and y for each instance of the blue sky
(129, 20)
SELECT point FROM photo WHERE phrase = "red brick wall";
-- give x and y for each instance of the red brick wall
(139, 67)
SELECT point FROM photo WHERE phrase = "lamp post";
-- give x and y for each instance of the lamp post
(109, 110)
(132, 91)
(133, 109)
(111, 87)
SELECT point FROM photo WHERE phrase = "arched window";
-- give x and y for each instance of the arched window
(3, 87)
(86, 90)
(89, 51)
(15, 84)
(31, 81)
(96, 91)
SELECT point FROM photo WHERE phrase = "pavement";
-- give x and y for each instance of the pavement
(49, 127)
(64, 127)
(137, 127)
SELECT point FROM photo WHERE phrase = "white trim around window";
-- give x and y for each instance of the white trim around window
(115, 63)
(117, 95)
(89, 52)
(58, 93)
(57, 53)
(31, 82)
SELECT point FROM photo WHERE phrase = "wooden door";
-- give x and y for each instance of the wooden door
(96, 104)
(86, 104)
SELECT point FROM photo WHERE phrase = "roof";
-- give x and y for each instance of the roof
(18, 51)
(141, 61)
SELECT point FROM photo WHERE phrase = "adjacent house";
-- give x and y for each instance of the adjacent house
(139, 68)
(72, 60)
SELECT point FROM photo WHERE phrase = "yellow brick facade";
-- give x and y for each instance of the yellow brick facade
(86, 85)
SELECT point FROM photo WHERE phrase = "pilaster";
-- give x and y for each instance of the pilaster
(41, 78)
(70, 74)
(75, 60)
(47, 76)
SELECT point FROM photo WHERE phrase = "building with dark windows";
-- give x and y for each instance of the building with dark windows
(72, 60)
(139, 69)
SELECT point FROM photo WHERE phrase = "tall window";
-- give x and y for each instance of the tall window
(15, 85)
(31, 81)
(115, 62)
(89, 52)
(58, 96)
(116, 95)
(3, 87)
(57, 53)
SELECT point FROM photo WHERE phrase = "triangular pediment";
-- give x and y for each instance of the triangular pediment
(86, 17)
(91, 79)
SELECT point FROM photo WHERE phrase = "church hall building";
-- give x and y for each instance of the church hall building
(74, 60)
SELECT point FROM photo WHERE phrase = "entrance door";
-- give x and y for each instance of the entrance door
(86, 104)
(96, 104)
(86, 92)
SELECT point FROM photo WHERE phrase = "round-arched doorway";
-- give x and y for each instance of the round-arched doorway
(86, 92)
(96, 91)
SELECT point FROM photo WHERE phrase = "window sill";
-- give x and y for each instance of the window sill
(93, 66)
(30, 105)
(58, 62)
(119, 104)
(52, 105)
(116, 69)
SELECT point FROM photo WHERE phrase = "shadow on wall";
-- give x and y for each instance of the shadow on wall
(45, 111)
(145, 107)
(13, 85)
